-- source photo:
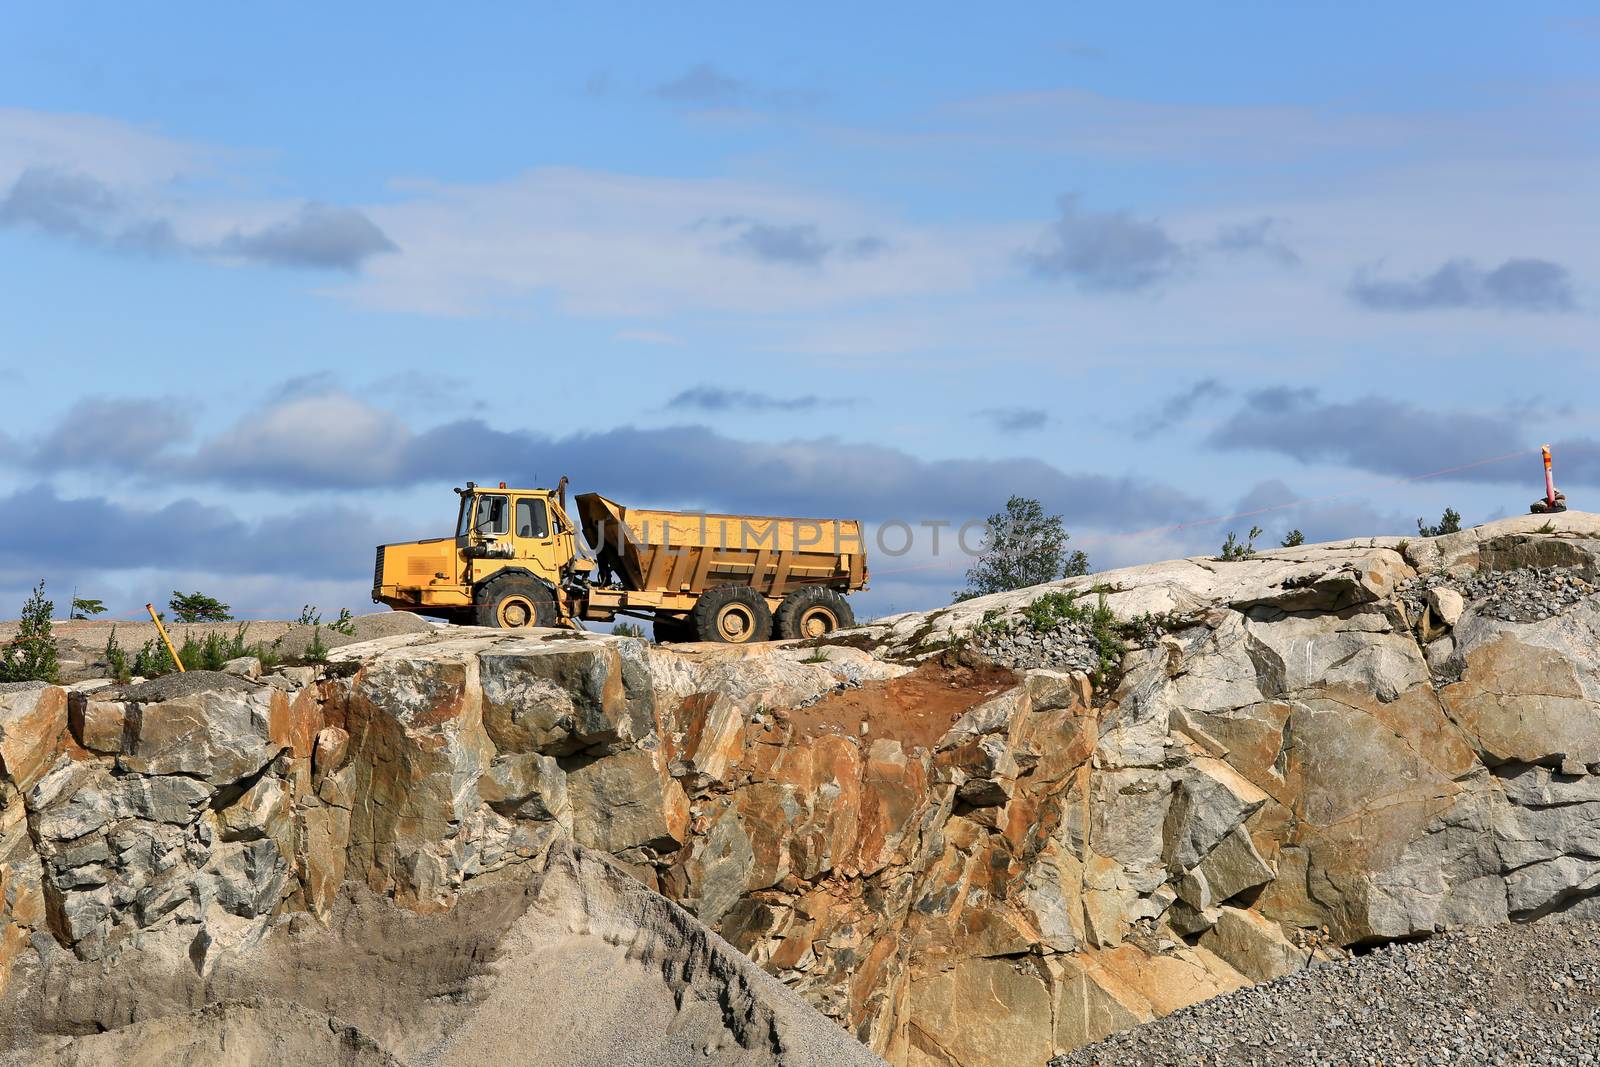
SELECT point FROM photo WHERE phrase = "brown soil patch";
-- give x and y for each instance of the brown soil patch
(914, 709)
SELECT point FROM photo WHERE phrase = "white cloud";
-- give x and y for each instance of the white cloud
(614, 244)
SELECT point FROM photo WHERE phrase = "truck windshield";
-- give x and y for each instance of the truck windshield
(492, 518)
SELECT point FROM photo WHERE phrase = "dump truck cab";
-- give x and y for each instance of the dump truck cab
(512, 552)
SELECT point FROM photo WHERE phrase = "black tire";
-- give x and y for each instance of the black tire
(669, 630)
(514, 603)
(731, 614)
(812, 611)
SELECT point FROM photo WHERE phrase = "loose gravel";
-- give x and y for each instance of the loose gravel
(172, 686)
(1525, 595)
(1069, 646)
(298, 639)
(1523, 994)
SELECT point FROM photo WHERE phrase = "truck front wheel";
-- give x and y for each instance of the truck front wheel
(513, 603)
(812, 611)
(732, 614)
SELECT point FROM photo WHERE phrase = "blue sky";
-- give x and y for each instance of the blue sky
(270, 285)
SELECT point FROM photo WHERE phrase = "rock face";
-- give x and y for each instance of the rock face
(958, 863)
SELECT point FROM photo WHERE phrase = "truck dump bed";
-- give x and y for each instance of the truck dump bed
(680, 552)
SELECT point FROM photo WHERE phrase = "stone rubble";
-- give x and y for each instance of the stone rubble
(1068, 646)
(1525, 595)
(1506, 995)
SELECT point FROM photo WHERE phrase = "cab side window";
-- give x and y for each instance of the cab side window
(492, 518)
(533, 519)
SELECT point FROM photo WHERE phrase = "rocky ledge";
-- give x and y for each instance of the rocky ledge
(1289, 757)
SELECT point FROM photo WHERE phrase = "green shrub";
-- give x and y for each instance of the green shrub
(117, 660)
(1050, 610)
(316, 652)
(624, 628)
(344, 624)
(1106, 631)
(1293, 539)
(236, 645)
(1449, 523)
(32, 654)
(1233, 551)
(85, 607)
(152, 660)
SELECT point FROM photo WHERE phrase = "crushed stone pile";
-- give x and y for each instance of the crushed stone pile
(1522, 994)
(1069, 646)
(1524, 595)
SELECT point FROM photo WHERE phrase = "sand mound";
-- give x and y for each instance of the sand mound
(234, 1034)
(565, 961)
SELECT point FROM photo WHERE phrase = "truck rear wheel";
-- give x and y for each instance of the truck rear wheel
(514, 603)
(813, 611)
(732, 614)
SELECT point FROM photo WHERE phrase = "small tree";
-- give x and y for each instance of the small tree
(153, 660)
(1022, 546)
(317, 651)
(1233, 551)
(32, 654)
(84, 607)
(117, 659)
(1449, 523)
(197, 607)
(1293, 539)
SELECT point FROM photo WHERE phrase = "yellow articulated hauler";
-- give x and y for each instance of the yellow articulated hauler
(516, 560)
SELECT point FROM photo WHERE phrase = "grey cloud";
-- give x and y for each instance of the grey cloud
(1260, 237)
(680, 465)
(716, 399)
(1277, 508)
(82, 208)
(702, 84)
(72, 532)
(103, 431)
(1016, 420)
(59, 203)
(318, 236)
(1108, 250)
(1373, 433)
(1577, 462)
(1515, 285)
(802, 245)
(1178, 407)
(798, 244)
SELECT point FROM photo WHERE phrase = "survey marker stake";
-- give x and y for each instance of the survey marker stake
(162, 630)
(1553, 500)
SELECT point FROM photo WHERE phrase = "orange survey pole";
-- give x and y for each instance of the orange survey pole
(1549, 479)
(162, 630)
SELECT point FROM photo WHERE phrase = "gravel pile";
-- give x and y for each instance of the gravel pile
(1068, 647)
(172, 686)
(298, 639)
(1526, 595)
(1522, 994)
